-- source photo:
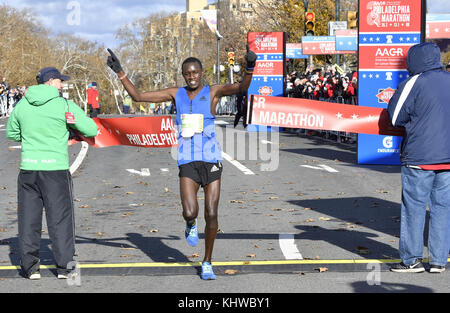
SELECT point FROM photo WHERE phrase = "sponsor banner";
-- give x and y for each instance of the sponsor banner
(321, 45)
(389, 16)
(387, 30)
(295, 51)
(346, 39)
(379, 86)
(320, 115)
(376, 149)
(383, 57)
(266, 43)
(267, 86)
(268, 76)
(377, 39)
(268, 68)
(438, 26)
(145, 132)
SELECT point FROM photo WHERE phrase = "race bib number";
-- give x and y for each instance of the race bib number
(191, 124)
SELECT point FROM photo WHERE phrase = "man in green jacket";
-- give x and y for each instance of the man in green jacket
(41, 122)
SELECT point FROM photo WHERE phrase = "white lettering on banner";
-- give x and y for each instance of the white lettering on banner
(152, 139)
(259, 102)
(167, 124)
(291, 119)
(393, 52)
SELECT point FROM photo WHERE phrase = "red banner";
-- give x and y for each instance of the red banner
(268, 68)
(320, 115)
(146, 132)
(384, 57)
(438, 30)
(389, 15)
(266, 43)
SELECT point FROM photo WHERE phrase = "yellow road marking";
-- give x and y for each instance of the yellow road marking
(227, 263)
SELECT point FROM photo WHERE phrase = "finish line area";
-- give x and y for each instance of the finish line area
(220, 268)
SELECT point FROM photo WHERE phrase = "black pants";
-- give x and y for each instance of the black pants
(52, 190)
(93, 112)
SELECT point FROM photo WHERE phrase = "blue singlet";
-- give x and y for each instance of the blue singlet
(200, 147)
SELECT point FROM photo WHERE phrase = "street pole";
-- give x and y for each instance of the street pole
(218, 42)
(305, 4)
(338, 18)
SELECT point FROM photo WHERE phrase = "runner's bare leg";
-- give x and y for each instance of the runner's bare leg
(212, 195)
(188, 193)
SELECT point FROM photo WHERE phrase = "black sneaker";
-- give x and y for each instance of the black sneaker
(416, 267)
(436, 268)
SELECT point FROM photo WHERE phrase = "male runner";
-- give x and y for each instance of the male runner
(199, 154)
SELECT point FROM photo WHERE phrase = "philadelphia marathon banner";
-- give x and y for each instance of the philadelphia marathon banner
(387, 30)
(145, 132)
(320, 115)
(270, 68)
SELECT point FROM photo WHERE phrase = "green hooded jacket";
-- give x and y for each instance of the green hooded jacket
(39, 122)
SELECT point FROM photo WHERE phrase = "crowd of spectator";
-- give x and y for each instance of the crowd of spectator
(323, 84)
(9, 96)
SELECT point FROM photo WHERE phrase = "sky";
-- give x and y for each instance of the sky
(98, 20)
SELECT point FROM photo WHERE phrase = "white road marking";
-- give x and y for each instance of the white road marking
(80, 157)
(2, 126)
(322, 167)
(221, 123)
(164, 170)
(144, 172)
(241, 167)
(265, 142)
(288, 247)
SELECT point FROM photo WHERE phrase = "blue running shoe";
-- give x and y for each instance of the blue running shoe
(207, 271)
(191, 234)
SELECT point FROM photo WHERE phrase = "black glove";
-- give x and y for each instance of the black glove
(113, 62)
(250, 58)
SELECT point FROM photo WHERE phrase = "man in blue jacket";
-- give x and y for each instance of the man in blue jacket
(421, 104)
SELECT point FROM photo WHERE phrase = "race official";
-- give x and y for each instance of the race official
(41, 122)
(421, 105)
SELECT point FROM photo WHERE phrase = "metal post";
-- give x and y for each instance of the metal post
(218, 42)
(338, 18)
(190, 40)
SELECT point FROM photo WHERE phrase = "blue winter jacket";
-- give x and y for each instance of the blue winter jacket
(422, 105)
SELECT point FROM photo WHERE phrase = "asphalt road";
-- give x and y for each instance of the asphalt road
(297, 214)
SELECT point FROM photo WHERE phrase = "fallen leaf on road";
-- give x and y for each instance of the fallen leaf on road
(251, 255)
(129, 192)
(324, 218)
(363, 250)
(195, 255)
(231, 272)
(153, 231)
(321, 269)
(309, 220)
(273, 198)
(85, 206)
